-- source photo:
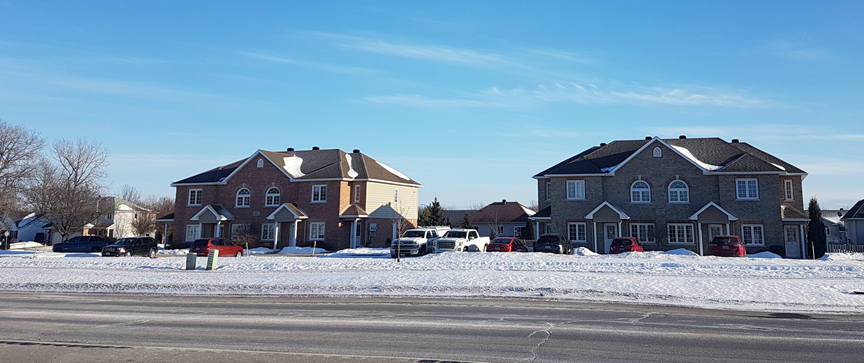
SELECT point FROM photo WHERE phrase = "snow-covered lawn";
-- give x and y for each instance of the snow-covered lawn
(762, 282)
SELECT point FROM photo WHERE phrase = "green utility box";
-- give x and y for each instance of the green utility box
(191, 261)
(211, 259)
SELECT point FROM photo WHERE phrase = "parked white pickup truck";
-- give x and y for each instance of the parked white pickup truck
(414, 242)
(462, 240)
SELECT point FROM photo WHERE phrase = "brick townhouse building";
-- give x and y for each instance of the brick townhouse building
(674, 193)
(330, 198)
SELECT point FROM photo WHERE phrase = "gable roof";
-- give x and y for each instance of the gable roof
(621, 214)
(309, 165)
(502, 212)
(712, 155)
(857, 211)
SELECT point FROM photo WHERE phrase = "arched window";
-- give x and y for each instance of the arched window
(272, 198)
(243, 197)
(679, 192)
(640, 192)
(260, 163)
(658, 152)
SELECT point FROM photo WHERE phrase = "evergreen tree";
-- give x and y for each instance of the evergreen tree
(493, 234)
(465, 222)
(423, 218)
(436, 215)
(528, 231)
(816, 230)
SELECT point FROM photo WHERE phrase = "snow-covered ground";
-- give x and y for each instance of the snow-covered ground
(761, 282)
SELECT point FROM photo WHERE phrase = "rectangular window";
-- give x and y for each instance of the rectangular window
(193, 232)
(356, 194)
(788, 185)
(827, 231)
(644, 232)
(747, 188)
(577, 232)
(791, 233)
(575, 189)
(500, 230)
(396, 195)
(195, 196)
(239, 229)
(752, 234)
(548, 190)
(714, 230)
(547, 228)
(316, 231)
(319, 193)
(268, 232)
(681, 233)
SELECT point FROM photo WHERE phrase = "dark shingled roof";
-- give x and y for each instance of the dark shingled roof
(729, 157)
(856, 212)
(501, 212)
(314, 164)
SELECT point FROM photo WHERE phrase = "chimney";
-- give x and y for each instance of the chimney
(290, 149)
(734, 141)
(356, 151)
(602, 144)
(316, 148)
(503, 200)
(682, 137)
(647, 137)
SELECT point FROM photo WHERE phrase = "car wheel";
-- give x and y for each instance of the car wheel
(128, 254)
(239, 254)
(422, 250)
(152, 253)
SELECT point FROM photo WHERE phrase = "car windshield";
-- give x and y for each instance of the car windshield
(621, 242)
(200, 242)
(125, 241)
(413, 234)
(501, 240)
(547, 239)
(723, 240)
(455, 234)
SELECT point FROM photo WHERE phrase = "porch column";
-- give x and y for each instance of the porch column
(354, 234)
(165, 236)
(217, 233)
(276, 234)
(801, 239)
(699, 225)
(727, 228)
(292, 241)
(595, 236)
(536, 230)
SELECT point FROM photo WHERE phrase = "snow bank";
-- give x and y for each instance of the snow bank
(680, 252)
(301, 251)
(582, 251)
(765, 254)
(23, 245)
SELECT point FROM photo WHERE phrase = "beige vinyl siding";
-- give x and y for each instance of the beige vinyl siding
(380, 197)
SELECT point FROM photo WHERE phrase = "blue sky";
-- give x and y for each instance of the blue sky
(470, 98)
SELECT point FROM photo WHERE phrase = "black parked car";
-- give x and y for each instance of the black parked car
(82, 244)
(553, 243)
(132, 246)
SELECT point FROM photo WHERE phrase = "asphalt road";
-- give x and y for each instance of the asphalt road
(107, 328)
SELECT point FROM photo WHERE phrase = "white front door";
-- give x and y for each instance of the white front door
(610, 231)
(793, 241)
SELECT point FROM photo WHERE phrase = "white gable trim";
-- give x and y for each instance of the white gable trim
(285, 207)
(248, 160)
(670, 147)
(607, 204)
(695, 216)
(219, 216)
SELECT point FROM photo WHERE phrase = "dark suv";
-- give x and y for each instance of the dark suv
(132, 246)
(82, 244)
(553, 243)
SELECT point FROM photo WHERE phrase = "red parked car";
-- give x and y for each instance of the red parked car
(727, 246)
(625, 244)
(506, 244)
(202, 247)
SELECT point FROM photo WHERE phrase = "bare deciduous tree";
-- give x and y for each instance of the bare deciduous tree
(158, 206)
(130, 194)
(401, 225)
(19, 159)
(67, 187)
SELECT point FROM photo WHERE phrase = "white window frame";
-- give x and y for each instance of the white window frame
(789, 192)
(395, 195)
(640, 195)
(679, 195)
(753, 234)
(575, 190)
(243, 200)
(195, 197)
(577, 232)
(316, 231)
(747, 189)
(272, 199)
(644, 232)
(193, 232)
(677, 229)
(268, 232)
(499, 230)
(357, 194)
(260, 163)
(548, 190)
(319, 193)
(657, 153)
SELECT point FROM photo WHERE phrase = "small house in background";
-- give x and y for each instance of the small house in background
(455, 216)
(116, 222)
(505, 218)
(854, 223)
(835, 231)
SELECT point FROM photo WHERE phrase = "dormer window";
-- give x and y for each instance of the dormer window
(244, 197)
(260, 163)
(640, 192)
(658, 152)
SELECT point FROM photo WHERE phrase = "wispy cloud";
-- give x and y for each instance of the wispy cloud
(796, 52)
(324, 67)
(436, 53)
(424, 102)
